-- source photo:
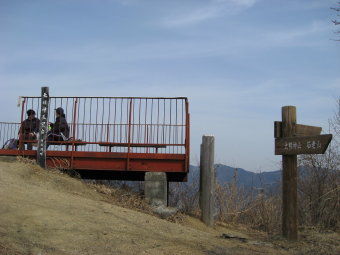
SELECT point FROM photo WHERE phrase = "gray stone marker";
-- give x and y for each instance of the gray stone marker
(156, 193)
(156, 188)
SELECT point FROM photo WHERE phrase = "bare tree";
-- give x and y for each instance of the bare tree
(319, 183)
(336, 21)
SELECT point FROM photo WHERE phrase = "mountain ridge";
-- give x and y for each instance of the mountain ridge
(228, 174)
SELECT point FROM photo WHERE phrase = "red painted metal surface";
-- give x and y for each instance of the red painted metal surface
(115, 134)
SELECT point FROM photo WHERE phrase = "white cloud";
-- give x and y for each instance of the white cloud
(244, 3)
(194, 17)
(294, 35)
(314, 4)
(214, 9)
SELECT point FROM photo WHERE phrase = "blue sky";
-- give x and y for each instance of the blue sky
(238, 62)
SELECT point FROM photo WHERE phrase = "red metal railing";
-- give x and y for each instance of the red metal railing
(131, 121)
(8, 131)
(139, 125)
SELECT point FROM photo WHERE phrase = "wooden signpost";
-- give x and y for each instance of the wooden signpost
(302, 145)
(43, 129)
(292, 139)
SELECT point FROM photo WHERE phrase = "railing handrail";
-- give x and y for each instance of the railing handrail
(155, 98)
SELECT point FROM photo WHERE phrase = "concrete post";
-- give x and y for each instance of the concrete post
(156, 188)
(207, 182)
(201, 178)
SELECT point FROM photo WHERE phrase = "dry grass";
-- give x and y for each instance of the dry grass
(58, 170)
(27, 161)
(5, 249)
(256, 216)
(236, 206)
(125, 197)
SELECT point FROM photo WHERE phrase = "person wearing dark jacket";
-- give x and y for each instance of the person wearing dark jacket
(29, 129)
(59, 129)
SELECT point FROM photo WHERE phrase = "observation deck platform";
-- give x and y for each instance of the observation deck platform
(112, 138)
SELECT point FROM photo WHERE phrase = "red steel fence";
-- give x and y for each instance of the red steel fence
(126, 125)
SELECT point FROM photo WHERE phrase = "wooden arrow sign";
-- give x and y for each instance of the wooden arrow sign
(302, 145)
(300, 130)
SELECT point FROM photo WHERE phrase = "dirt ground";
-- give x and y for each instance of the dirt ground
(46, 212)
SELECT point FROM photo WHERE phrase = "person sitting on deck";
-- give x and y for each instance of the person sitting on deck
(59, 129)
(29, 130)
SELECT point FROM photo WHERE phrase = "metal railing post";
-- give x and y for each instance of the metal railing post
(74, 130)
(129, 136)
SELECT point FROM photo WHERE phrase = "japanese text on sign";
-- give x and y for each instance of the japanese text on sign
(315, 144)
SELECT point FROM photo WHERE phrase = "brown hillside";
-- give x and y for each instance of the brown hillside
(45, 212)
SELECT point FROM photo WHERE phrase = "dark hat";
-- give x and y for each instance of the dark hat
(59, 110)
(30, 112)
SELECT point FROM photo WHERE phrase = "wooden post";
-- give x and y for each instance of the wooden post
(292, 139)
(43, 128)
(289, 178)
(207, 182)
(201, 178)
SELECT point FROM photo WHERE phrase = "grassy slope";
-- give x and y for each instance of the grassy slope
(44, 212)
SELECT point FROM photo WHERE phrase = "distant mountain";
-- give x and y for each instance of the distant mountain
(227, 174)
